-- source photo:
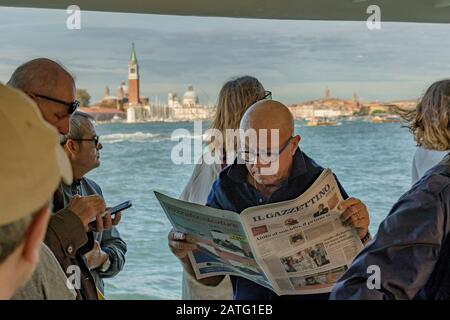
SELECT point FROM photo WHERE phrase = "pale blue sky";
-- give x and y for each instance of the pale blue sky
(296, 60)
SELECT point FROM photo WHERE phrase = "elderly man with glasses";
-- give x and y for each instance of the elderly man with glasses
(104, 254)
(258, 177)
(52, 88)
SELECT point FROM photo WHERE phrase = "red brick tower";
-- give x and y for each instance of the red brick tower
(133, 79)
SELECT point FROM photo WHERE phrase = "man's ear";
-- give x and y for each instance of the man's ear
(296, 140)
(71, 146)
(35, 235)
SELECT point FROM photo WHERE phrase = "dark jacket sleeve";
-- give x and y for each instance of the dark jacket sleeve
(116, 249)
(405, 249)
(65, 235)
(213, 200)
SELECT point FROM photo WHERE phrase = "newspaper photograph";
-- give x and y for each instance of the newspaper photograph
(293, 247)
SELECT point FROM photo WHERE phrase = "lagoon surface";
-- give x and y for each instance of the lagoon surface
(372, 161)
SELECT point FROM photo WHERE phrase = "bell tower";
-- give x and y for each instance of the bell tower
(133, 79)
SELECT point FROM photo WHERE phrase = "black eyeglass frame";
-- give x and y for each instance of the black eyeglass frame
(72, 105)
(242, 154)
(95, 139)
(267, 95)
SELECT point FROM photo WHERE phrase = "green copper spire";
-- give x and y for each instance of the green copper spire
(133, 54)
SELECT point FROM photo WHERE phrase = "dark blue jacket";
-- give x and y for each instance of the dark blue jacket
(411, 248)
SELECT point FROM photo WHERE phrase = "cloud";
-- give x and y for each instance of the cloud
(176, 51)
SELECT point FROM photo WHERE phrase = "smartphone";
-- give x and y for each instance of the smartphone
(120, 207)
(113, 211)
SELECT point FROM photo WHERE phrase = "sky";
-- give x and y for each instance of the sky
(296, 60)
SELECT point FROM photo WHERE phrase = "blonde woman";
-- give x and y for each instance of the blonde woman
(234, 98)
(409, 258)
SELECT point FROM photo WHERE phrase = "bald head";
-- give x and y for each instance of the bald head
(40, 75)
(269, 114)
(267, 127)
(50, 86)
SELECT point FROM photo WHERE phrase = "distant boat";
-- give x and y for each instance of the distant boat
(116, 119)
(320, 121)
(385, 118)
(351, 118)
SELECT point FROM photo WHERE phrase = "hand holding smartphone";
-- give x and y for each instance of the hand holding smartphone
(120, 207)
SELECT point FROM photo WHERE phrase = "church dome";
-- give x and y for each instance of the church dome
(190, 97)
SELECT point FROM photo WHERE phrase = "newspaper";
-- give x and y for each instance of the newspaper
(293, 247)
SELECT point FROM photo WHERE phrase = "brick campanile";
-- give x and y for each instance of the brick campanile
(133, 79)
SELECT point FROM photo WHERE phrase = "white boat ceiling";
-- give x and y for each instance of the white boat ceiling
(432, 11)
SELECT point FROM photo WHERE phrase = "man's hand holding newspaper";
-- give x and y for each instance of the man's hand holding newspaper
(355, 215)
(181, 248)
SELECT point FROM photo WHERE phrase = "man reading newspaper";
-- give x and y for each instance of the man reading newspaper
(282, 175)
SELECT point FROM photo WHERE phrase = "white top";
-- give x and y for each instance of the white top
(425, 159)
(197, 190)
(199, 184)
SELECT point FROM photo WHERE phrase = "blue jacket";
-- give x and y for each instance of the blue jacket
(411, 248)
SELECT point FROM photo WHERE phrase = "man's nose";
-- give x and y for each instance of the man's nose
(63, 127)
(99, 146)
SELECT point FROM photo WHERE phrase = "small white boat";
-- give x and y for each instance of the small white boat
(116, 119)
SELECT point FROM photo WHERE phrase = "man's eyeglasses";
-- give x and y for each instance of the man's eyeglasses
(72, 105)
(95, 139)
(266, 157)
(267, 95)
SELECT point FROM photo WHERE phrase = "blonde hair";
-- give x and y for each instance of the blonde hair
(429, 122)
(235, 97)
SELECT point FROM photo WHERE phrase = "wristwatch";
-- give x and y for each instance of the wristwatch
(364, 239)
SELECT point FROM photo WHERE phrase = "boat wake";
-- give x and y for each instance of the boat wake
(178, 137)
(134, 137)
(148, 137)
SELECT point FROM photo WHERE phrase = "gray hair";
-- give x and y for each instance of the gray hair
(79, 122)
(39, 75)
(12, 235)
